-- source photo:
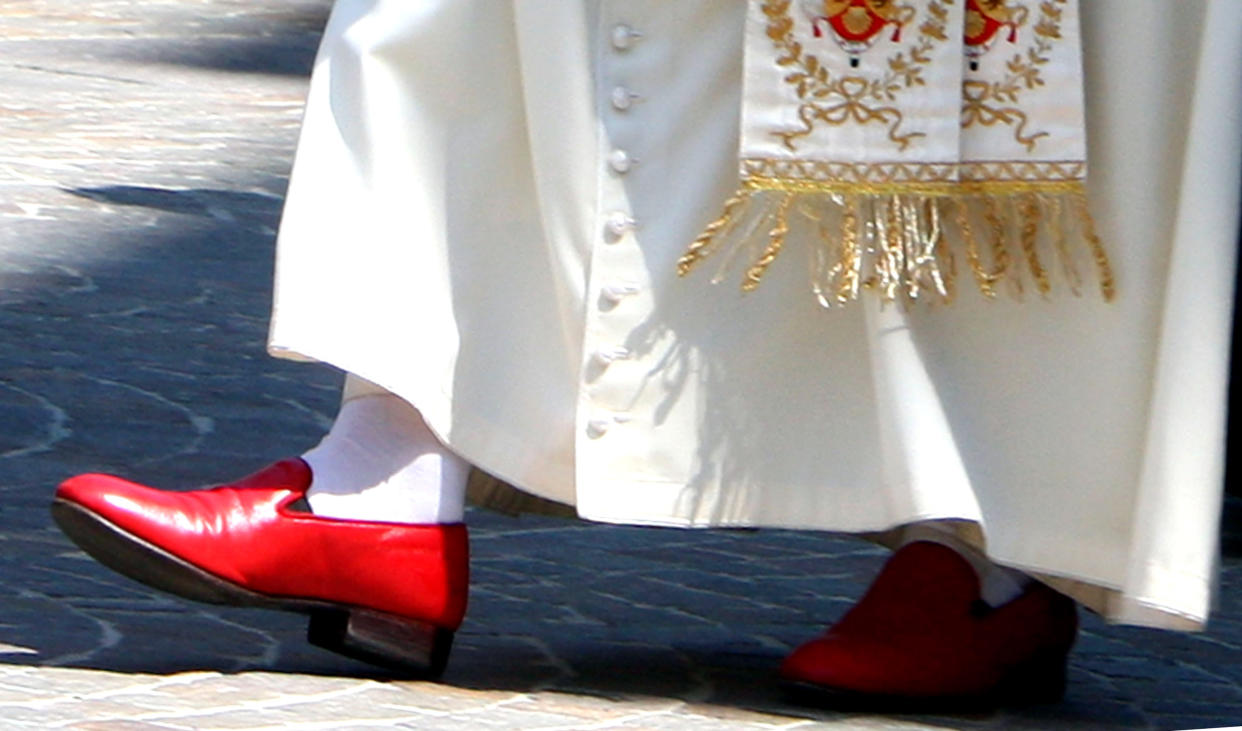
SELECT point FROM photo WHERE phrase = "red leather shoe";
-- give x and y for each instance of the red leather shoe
(922, 633)
(388, 593)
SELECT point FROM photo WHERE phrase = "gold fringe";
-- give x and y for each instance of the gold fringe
(699, 248)
(943, 252)
(985, 280)
(1056, 222)
(1000, 243)
(851, 256)
(888, 265)
(776, 241)
(1028, 209)
(1108, 287)
(904, 246)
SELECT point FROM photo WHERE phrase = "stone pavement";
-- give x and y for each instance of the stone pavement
(144, 149)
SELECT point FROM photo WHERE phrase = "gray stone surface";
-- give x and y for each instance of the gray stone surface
(144, 150)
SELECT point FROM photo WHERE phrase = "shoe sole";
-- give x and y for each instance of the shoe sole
(413, 647)
(1040, 681)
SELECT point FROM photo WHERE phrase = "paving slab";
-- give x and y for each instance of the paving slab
(144, 153)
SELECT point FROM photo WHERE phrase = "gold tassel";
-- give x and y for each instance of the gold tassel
(700, 247)
(776, 241)
(922, 269)
(985, 280)
(928, 237)
(942, 252)
(1108, 286)
(1028, 236)
(912, 249)
(1056, 222)
(1000, 250)
(892, 263)
(850, 259)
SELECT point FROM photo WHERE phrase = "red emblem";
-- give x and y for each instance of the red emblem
(985, 21)
(857, 24)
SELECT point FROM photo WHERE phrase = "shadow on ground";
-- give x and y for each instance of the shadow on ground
(282, 42)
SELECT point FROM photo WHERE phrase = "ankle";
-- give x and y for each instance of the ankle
(998, 585)
(380, 461)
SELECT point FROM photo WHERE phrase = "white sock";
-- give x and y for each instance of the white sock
(381, 462)
(997, 584)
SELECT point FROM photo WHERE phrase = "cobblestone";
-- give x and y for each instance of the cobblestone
(144, 152)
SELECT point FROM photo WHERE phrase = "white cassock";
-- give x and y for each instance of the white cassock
(485, 214)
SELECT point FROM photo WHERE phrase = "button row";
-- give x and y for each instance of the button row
(617, 226)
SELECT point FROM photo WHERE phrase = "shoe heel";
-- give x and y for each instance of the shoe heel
(401, 643)
(1040, 679)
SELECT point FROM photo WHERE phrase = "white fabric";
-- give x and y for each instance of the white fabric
(456, 232)
(381, 462)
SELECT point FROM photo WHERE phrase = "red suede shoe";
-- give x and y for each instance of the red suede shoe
(387, 593)
(922, 634)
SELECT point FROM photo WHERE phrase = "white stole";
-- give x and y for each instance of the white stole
(904, 135)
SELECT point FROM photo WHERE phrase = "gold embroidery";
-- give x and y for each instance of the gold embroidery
(992, 103)
(854, 98)
(985, 21)
(926, 178)
(898, 228)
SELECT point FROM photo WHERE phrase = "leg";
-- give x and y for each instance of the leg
(381, 462)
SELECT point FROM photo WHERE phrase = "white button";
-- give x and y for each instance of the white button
(623, 37)
(619, 225)
(597, 428)
(608, 356)
(614, 293)
(623, 98)
(621, 162)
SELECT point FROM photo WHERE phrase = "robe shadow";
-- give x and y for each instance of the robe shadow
(226, 205)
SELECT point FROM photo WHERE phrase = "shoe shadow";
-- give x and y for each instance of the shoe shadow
(563, 616)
